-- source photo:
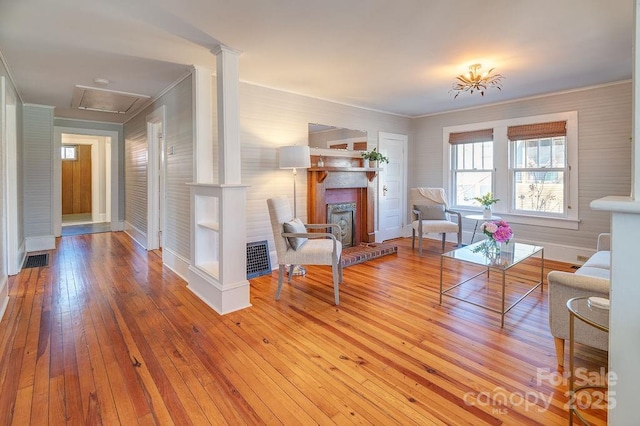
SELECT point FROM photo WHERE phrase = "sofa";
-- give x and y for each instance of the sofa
(591, 279)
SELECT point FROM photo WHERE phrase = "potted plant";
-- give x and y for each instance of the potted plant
(373, 157)
(486, 201)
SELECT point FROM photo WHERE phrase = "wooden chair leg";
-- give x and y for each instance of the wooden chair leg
(280, 279)
(559, 351)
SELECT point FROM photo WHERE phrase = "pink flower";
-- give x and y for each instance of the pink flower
(503, 234)
(498, 231)
(489, 227)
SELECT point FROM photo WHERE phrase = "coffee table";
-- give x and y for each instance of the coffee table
(478, 254)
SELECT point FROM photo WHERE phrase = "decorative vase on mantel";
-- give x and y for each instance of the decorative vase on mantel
(373, 164)
(486, 213)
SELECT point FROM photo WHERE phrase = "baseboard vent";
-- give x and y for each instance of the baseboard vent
(36, 261)
(258, 262)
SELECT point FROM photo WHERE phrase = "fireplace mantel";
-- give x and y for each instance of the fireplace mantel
(370, 172)
(342, 180)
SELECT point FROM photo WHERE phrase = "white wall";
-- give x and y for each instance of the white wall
(604, 131)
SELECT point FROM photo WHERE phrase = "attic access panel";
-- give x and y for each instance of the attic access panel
(104, 100)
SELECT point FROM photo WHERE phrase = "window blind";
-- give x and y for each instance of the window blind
(485, 135)
(537, 131)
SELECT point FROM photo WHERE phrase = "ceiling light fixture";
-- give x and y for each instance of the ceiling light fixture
(475, 80)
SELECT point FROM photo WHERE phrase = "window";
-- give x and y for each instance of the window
(538, 168)
(472, 165)
(529, 164)
(69, 152)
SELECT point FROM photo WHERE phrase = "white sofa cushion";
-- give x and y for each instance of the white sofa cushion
(600, 259)
(591, 271)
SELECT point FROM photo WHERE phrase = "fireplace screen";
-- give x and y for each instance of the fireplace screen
(343, 214)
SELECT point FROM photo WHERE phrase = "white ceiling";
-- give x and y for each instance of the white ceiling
(397, 56)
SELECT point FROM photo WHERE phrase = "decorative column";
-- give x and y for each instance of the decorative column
(217, 273)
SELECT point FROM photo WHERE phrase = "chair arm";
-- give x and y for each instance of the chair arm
(604, 242)
(336, 228)
(584, 283)
(312, 235)
(418, 216)
(459, 218)
(309, 235)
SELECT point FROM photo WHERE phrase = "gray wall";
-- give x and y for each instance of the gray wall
(270, 119)
(38, 170)
(178, 134)
(604, 156)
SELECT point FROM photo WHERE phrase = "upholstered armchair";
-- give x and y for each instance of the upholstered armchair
(430, 214)
(295, 245)
(591, 279)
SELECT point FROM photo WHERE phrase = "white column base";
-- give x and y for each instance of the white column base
(232, 297)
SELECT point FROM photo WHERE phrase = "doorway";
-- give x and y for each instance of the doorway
(85, 184)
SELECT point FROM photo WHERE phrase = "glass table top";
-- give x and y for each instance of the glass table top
(480, 253)
(590, 313)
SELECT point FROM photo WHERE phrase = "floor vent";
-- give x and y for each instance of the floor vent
(36, 261)
(258, 262)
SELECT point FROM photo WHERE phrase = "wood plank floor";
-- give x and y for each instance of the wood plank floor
(106, 335)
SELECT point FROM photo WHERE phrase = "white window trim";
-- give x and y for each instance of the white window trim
(502, 180)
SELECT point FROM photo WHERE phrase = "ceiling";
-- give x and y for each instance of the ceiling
(397, 56)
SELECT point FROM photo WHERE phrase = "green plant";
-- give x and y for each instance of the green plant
(375, 156)
(486, 200)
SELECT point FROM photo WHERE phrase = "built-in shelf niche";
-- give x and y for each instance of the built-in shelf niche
(207, 234)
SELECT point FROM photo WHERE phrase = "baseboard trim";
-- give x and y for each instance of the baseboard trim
(231, 298)
(45, 242)
(175, 262)
(4, 295)
(117, 225)
(137, 235)
(21, 255)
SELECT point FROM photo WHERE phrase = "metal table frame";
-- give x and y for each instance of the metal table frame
(500, 263)
(577, 309)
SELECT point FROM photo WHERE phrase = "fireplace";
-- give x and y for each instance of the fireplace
(340, 182)
(343, 214)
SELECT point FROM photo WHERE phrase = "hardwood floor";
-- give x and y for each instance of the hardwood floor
(106, 335)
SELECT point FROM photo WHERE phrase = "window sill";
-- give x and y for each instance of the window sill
(547, 222)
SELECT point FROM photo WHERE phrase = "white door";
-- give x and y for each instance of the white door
(392, 191)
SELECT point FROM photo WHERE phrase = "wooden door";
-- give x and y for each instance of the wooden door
(76, 182)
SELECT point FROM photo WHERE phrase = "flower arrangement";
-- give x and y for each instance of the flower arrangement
(486, 200)
(499, 231)
(375, 156)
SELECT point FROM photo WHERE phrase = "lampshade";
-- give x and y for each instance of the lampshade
(295, 157)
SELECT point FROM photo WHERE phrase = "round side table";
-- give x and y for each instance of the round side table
(579, 307)
(478, 218)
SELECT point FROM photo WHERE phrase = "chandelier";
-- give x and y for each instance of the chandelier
(474, 80)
